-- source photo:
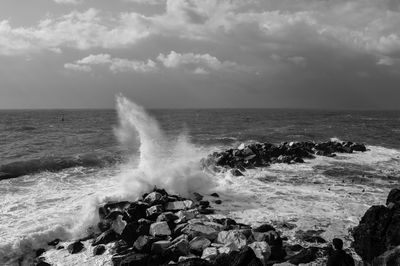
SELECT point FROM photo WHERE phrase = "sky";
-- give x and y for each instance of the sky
(326, 54)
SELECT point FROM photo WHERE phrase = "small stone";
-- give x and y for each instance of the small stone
(75, 247)
(98, 250)
(160, 229)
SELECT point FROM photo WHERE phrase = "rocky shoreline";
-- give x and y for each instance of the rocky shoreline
(165, 229)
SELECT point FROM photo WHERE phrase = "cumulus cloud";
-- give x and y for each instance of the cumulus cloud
(115, 65)
(190, 62)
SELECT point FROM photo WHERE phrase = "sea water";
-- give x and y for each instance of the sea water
(57, 166)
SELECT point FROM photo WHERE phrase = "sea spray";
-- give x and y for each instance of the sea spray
(170, 163)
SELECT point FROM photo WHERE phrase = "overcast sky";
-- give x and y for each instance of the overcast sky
(200, 53)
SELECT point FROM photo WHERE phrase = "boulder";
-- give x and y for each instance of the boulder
(311, 236)
(264, 228)
(393, 197)
(160, 229)
(179, 248)
(197, 196)
(98, 250)
(245, 256)
(154, 211)
(136, 259)
(153, 198)
(193, 230)
(194, 262)
(262, 251)
(389, 258)
(198, 244)
(75, 247)
(305, 256)
(119, 247)
(179, 205)
(184, 216)
(235, 237)
(159, 247)
(143, 243)
(137, 210)
(105, 238)
(214, 195)
(218, 201)
(209, 253)
(118, 225)
(168, 217)
(131, 232)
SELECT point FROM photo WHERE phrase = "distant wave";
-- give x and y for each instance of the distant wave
(54, 164)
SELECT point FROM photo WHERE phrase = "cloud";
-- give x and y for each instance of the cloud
(115, 65)
(73, 2)
(189, 62)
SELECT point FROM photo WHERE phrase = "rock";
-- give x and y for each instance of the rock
(194, 262)
(119, 247)
(389, 258)
(264, 228)
(42, 263)
(98, 250)
(283, 264)
(218, 227)
(197, 196)
(118, 225)
(193, 230)
(136, 259)
(237, 238)
(311, 236)
(75, 247)
(305, 256)
(39, 252)
(187, 215)
(131, 232)
(153, 198)
(160, 229)
(198, 244)
(180, 248)
(214, 195)
(137, 210)
(236, 172)
(159, 247)
(143, 243)
(206, 211)
(204, 204)
(274, 241)
(358, 147)
(245, 256)
(393, 197)
(179, 205)
(370, 235)
(262, 251)
(209, 253)
(168, 217)
(154, 211)
(218, 201)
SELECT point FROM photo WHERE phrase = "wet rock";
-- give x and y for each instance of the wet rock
(137, 210)
(98, 250)
(187, 215)
(197, 196)
(198, 244)
(168, 217)
(204, 204)
(236, 172)
(160, 229)
(159, 247)
(393, 197)
(39, 252)
(209, 253)
(118, 225)
(194, 262)
(179, 205)
(54, 242)
(245, 256)
(305, 256)
(218, 202)
(235, 237)
(262, 251)
(136, 259)
(180, 248)
(154, 211)
(119, 247)
(153, 198)
(214, 195)
(358, 147)
(206, 211)
(143, 243)
(75, 247)
(264, 228)
(389, 258)
(193, 230)
(311, 236)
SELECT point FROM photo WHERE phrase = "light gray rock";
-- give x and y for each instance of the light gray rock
(199, 243)
(262, 251)
(179, 205)
(209, 253)
(235, 237)
(193, 230)
(160, 229)
(152, 198)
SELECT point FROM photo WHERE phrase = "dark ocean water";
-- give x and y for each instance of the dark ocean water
(36, 140)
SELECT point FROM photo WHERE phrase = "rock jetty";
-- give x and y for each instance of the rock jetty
(263, 154)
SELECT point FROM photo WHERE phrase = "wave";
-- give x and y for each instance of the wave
(55, 164)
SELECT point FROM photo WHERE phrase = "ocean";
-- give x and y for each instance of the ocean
(55, 163)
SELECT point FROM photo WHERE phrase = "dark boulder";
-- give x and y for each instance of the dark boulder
(98, 250)
(245, 256)
(75, 247)
(393, 197)
(305, 256)
(137, 210)
(311, 236)
(264, 228)
(195, 262)
(105, 238)
(130, 259)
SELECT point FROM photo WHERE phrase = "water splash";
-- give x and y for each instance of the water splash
(167, 162)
